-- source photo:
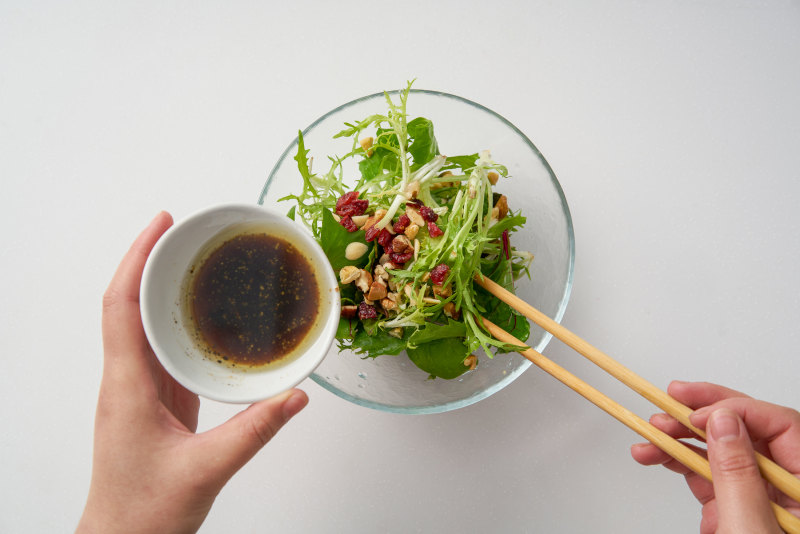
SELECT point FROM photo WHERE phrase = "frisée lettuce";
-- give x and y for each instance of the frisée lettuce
(406, 234)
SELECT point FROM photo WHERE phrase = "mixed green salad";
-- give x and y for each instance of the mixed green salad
(406, 234)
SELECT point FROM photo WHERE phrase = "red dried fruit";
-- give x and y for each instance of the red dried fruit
(371, 233)
(428, 214)
(349, 204)
(439, 274)
(401, 224)
(348, 223)
(434, 230)
(399, 258)
(366, 311)
(385, 238)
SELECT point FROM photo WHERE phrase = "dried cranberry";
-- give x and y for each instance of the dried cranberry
(401, 224)
(356, 207)
(365, 311)
(434, 230)
(428, 214)
(349, 204)
(348, 223)
(385, 238)
(399, 258)
(439, 274)
(371, 233)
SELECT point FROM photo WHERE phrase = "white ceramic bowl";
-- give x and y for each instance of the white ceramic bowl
(169, 330)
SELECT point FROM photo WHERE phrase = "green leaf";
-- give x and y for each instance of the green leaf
(423, 147)
(442, 358)
(437, 331)
(465, 163)
(379, 344)
(302, 164)
(290, 213)
(334, 239)
(347, 329)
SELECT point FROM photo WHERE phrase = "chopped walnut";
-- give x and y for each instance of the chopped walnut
(377, 290)
(349, 274)
(493, 177)
(450, 310)
(364, 281)
(502, 207)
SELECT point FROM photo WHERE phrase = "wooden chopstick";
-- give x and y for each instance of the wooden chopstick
(775, 474)
(663, 441)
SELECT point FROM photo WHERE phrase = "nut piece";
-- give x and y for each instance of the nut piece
(364, 281)
(502, 207)
(396, 332)
(380, 273)
(442, 291)
(349, 274)
(411, 231)
(374, 219)
(388, 303)
(471, 361)
(366, 144)
(377, 290)
(355, 250)
(450, 310)
(401, 244)
(412, 189)
(414, 215)
(493, 177)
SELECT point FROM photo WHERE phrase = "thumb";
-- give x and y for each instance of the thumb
(740, 493)
(233, 443)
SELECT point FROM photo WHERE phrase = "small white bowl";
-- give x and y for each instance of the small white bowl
(170, 332)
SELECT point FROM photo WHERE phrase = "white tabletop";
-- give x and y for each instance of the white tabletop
(674, 130)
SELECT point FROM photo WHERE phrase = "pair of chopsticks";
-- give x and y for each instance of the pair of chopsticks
(772, 472)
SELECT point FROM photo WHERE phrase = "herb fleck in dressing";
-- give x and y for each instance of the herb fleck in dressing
(253, 300)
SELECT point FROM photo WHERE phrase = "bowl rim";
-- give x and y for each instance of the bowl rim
(562, 306)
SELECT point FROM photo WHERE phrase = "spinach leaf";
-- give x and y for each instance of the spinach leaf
(334, 239)
(442, 358)
(347, 329)
(424, 146)
(498, 311)
(437, 331)
(379, 344)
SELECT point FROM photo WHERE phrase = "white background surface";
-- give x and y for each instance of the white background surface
(673, 127)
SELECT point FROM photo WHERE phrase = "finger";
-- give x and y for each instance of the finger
(122, 326)
(232, 444)
(778, 426)
(740, 493)
(670, 425)
(698, 394)
(709, 521)
(649, 454)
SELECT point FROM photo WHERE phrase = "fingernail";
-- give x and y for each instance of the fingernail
(724, 425)
(296, 402)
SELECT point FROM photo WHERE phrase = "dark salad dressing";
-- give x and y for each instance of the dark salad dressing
(253, 300)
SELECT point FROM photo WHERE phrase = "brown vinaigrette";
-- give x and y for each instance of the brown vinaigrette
(253, 300)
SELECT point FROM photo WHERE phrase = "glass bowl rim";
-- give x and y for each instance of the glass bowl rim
(562, 306)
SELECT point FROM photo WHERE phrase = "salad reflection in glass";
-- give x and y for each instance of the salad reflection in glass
(406, 237)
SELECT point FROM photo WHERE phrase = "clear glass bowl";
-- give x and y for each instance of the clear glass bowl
(393, 383)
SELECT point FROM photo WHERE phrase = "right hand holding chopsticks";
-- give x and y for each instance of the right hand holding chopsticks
(738, 499)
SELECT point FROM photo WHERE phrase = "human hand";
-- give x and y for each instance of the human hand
(151, 472)
(736, 425)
